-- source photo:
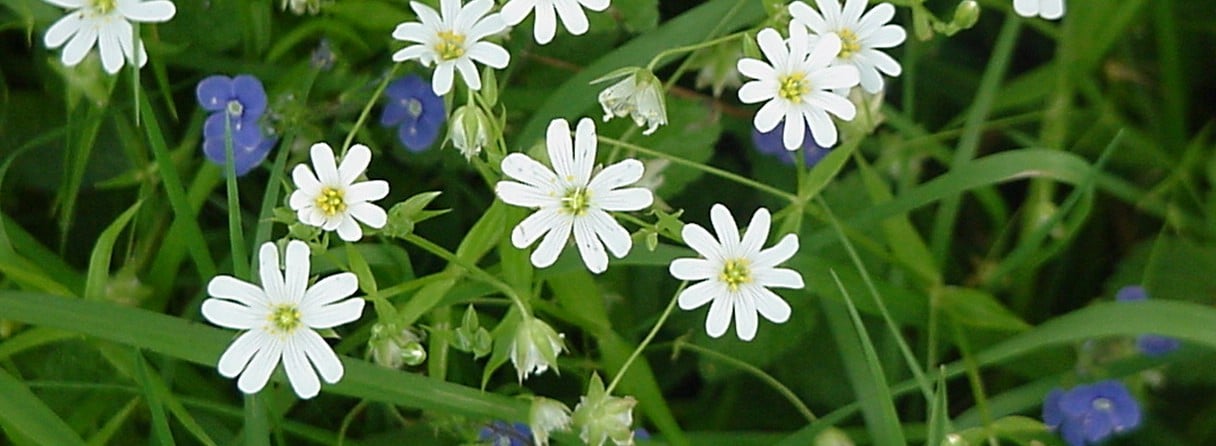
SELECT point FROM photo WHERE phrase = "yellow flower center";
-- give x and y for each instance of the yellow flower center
(735, 273)
(330, 201)
(576, 201)
(791, 87)
(285, 318)
(104, 7)
(450, 46)
(849, 44)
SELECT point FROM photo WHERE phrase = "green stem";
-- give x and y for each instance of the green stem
(367, 109)
(689, 48)
(707, 169)
(754, 371)
(475, 271)
(649, 337)
(236, 235)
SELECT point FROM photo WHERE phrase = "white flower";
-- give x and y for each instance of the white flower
(639, 95)
(860, 36)
(535, 347)
(453, 41)
(568, 199)
(108, 24)
(570, 11)
(798, 86)
(736, 274)
(545, 417)
(1048, 9)
(468, 130)
(332, 199)
(281, 318)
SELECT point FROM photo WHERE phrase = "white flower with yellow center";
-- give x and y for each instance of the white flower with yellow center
(106, 23)
(547, 13)
(331, 199)
(798, 86)
(861, 36)
(1048, 9)
(568, 199)
(281, 318)
(736, 274)
(453, 41)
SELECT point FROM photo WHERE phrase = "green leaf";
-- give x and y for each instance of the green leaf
(979, 309)
(22, 413)
(99, 260)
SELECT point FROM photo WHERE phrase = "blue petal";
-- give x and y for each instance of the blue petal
(248, 90)
(1096, 425)
(213, 127)
(1131, 293)
(1156, 345)
(770, 143)
(1072, 433)
(244, 157)
(1052, 415)
(393, 113)
(214, 92)
(246, 131)
(1079, 401)
(417, 137)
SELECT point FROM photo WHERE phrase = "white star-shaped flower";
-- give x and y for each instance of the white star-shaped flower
(860, 35)
(331, 199)
(1048, 9)
(547, 12)
(453, 41)
(281, 318)
(798, 85)
(568, 199)
(736, 274)
(108, 24)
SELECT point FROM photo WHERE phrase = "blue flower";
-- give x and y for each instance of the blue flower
(499, 433)
(236, 105)
(1148, 344)
(1088, 414)
(416, 109)
(771, 144)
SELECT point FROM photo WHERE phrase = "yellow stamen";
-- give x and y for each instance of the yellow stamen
(104, 7)
(791, 87)
(735, 273)
(285, 318)
(576, 201)
(849, 43)
(450, 46)
(331, 201)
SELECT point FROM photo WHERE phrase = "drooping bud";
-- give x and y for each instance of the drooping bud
(395, 347)
(547, 416)
(638, 94)
(469, 130)
(966, 14)
(535, 347)
(601, 417)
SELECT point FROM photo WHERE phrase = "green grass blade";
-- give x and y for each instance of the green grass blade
(939, 416)
(103, 436)
(154, 396)
(99, 260)
(23, 413)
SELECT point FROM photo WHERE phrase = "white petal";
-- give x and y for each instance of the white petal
(441, 82)
(595, 5)
(697, 238)
(692, 269)
(755, 69)
(450, 9)
(883, 62)
(126, 36)
(718, 318)
(875, 18)
(852, 11)
(745, 318)
(349, 230)
(548, 250)
(411, 52)
(63, 28)
(769, 115)
(561, 149)
(68, 4)
(303, 380)
(699, 294)
(329, 290)
(824, 52)
(808, 16)
(772, 45)
(620, 174)
(471, 13)
(490, 54)
(771, 306)
(886, 37)
(410, 32)
(1051, 9)
(830, 10)
(534, 226)
(871, 81)
(333, 315)
(264, 361)
(354, 163)
(822, 128)
(798, 43)
(625, 200)
(228, 287)
(80, 44)
(523, 168)
(1026, 8)
(153, 11)
(516, 11)
(545, 23)
(725, 228)
(228, 314)
(757, 233)
(272, 277)
(757, 91)
(520, 194)
(614, 236)
(426, 14)
(371, 215)
(778, 278)
(468, 72)
(584, 150)
(305, 181)
(841, 76)
(238, 354)
(794, 133)
(324, 164)
(589, 246)
(572, 16)
(367, 191)
(781, 252)
(331, 222)
(489, 25)
(321, 355)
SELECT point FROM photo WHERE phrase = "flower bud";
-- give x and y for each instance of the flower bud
(601, 417)
(833, 437)
(469, 130)
(535, 347)
(547, 416)
(966, 14)
(394, 347)
(638, 95)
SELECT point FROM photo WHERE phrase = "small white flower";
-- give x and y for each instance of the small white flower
(453, 41)
(568, 199)
(535, 347)
(281, 318)
(547, 11)
(331, 199)
(108, 24)
(468, 130)
(601, 417)
(736, 274)
(798, 85)
(860, 35)
(545, 417)
(639, 95)
(1048, 9)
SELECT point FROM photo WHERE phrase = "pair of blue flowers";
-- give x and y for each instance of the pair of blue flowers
(237, 105)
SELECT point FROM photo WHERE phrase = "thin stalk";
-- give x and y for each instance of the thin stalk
(693, 47)
(475, 271)
(367, 109)
(707, 169)
(754, 371)
(649, 337)
(236, 235)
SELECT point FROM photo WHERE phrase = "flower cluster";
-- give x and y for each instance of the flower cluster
(417, 112)
(107, 24)
(1088, 414)
(331, 199)
(237, 105)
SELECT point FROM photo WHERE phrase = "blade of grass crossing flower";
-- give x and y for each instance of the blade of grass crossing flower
(863, 368)
(103, 435)
(99, 260)
(939, 415)
(22, 414)
(270, 199)
(154, 397)
(196, 244)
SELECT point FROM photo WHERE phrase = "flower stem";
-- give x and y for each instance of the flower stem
(367, 109)
(754, 371)
(649, 337)
(704, 168)
(689, 48)
(476, 272)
